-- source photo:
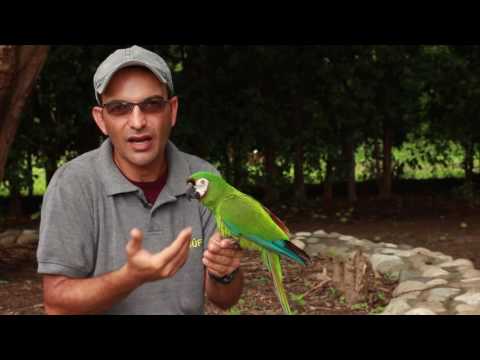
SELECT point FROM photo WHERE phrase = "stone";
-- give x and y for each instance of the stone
(396, 307)
(434, 271)
(408, 275)
(8, 240)
(9, 237)
(441, 294)
(436, 282)
(338, 252)
(466, 284)
(386, 263)
(320, 233)
(410, 295)
(464, 309)
(346, 238)
(298, 243)
(313, 240)
(303, 233)
(334, 235)
(463, 263)
(471, 273)
(420, 311)
(471, 297)
(14, 232)
(391, 246)
(471, 280)
(317, 249)
(408, 286)
(368, 242)
(435, 306)
(401, 253)
(361, 243)
(28, 237)
(429, 253)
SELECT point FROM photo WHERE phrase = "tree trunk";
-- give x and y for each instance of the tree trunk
(386, 189)
(50, 168)
(468, 161)
(271, 174)
(19, 68)
(228, 164)
(299, 178)
(15, 202)
(237, 166)
(378, 170)
(349, 156)
(328, 187)
(30, 175)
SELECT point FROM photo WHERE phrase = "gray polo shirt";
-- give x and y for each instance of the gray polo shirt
(89, 209)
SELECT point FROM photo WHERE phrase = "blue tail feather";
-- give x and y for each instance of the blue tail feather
(277, 246)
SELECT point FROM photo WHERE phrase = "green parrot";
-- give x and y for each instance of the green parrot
(242, 218)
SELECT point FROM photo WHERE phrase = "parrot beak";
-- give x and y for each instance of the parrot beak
(191, 191)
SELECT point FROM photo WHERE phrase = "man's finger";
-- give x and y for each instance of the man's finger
(219, 259)
(178, 261)
(219, 270)
(215, 249)
(229, 244)
(180, 257)
(135, 243)
(182, 242)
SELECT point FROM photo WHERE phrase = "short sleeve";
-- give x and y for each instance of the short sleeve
(209, 225)
(67, 243)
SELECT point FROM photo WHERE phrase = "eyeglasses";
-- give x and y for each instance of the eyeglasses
(153, 105)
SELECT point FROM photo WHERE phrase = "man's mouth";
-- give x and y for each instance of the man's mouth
(140, 142)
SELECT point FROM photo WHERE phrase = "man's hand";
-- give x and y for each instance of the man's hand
(145, 266)
(222, 256)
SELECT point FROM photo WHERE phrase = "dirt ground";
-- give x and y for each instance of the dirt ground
(452, 231)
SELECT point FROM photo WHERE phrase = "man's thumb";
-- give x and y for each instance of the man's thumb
(135, 243)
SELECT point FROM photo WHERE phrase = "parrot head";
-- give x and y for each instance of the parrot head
(205, 187)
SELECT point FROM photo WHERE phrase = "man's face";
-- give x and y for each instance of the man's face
(139, 138)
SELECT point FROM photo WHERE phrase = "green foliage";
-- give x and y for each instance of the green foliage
(360, 306)
(278, 116)
(298, 298)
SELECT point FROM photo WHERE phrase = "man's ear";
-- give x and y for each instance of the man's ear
(174, 109)
(97, 114)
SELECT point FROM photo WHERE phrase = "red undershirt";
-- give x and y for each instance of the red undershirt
(151, 189)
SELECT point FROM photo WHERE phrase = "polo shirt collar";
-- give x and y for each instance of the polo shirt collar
(116, 183)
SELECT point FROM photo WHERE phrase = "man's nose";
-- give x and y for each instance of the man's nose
(137, 118)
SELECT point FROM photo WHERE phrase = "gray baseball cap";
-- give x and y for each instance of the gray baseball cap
(132, 56)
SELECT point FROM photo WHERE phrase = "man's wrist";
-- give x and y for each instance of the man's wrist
(131, 277)
(224, 280)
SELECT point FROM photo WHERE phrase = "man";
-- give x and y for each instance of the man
(118, 234)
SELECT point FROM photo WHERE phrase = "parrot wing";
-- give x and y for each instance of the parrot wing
(277, 221)
(244, 217)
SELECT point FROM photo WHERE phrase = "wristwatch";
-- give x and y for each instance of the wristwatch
(227, 279)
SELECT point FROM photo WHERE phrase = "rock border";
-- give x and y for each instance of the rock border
(430, 283)
(16, 237)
